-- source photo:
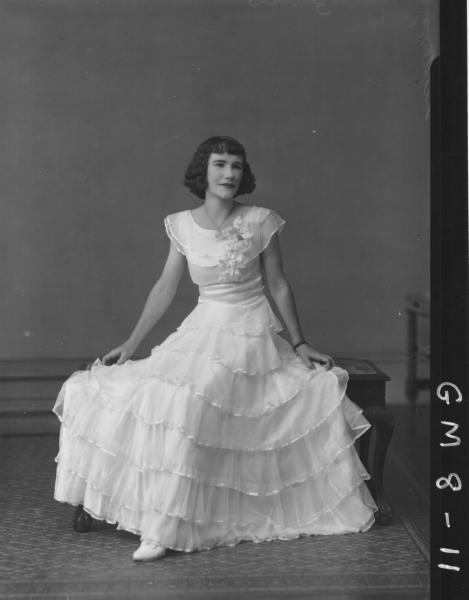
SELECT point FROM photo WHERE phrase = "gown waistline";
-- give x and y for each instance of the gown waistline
(246, 293)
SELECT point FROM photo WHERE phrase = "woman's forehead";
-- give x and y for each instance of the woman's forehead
(225, 156)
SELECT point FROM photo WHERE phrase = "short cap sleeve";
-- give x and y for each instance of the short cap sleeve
(271, 224)
(175, 230)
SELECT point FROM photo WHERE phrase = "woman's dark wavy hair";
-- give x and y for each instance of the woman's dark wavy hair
(195, 177)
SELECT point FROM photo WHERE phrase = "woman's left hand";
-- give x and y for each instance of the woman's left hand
(310, 357)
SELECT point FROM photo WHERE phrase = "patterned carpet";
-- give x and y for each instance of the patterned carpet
(42, 557)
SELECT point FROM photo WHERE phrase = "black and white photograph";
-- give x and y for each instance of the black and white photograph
(216, 225)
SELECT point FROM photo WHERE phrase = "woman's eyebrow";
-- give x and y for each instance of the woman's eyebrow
(222, 160)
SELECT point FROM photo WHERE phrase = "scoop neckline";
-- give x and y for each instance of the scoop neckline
(215, 230)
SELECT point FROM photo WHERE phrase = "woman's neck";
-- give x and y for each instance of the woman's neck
(219, 210)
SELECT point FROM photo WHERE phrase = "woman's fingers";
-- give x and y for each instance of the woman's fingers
(112, 357)
(118, 355)
(323, 360)
(326, 360)
(314, 362)
(122, 358)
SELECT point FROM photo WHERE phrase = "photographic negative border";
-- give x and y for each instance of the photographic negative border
(449, 305)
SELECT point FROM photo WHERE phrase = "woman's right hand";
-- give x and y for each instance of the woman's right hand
(119, 355)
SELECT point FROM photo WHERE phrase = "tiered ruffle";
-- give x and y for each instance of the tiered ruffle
(221, 435)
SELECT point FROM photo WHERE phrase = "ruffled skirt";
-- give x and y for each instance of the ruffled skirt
(220, 435)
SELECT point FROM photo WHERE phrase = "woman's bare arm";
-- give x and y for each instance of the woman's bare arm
(158, 302)
(282, 295)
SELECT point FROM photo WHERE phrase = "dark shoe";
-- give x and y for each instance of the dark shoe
(81, 520)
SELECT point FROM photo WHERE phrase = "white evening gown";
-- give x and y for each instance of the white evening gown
(222, 434)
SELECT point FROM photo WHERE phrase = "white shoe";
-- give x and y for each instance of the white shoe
(149, 551)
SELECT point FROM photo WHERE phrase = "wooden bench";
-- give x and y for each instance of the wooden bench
(367, 388)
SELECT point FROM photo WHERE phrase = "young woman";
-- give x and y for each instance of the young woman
(226, 432)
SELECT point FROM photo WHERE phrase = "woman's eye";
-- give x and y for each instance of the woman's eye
(222, 166)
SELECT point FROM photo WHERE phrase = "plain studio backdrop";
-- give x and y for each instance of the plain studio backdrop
(103, 103)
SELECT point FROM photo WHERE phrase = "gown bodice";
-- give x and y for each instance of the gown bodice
(225, 263)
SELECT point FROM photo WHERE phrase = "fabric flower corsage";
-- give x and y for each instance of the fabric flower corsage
(238, 239)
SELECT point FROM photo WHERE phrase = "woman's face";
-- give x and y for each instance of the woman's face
(224, 174)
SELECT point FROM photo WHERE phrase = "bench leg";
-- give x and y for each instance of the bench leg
(383, 422)
(365, 440)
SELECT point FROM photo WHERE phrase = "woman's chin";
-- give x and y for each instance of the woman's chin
(224, 194)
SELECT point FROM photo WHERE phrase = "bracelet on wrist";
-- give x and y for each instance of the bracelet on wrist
(300, 343)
